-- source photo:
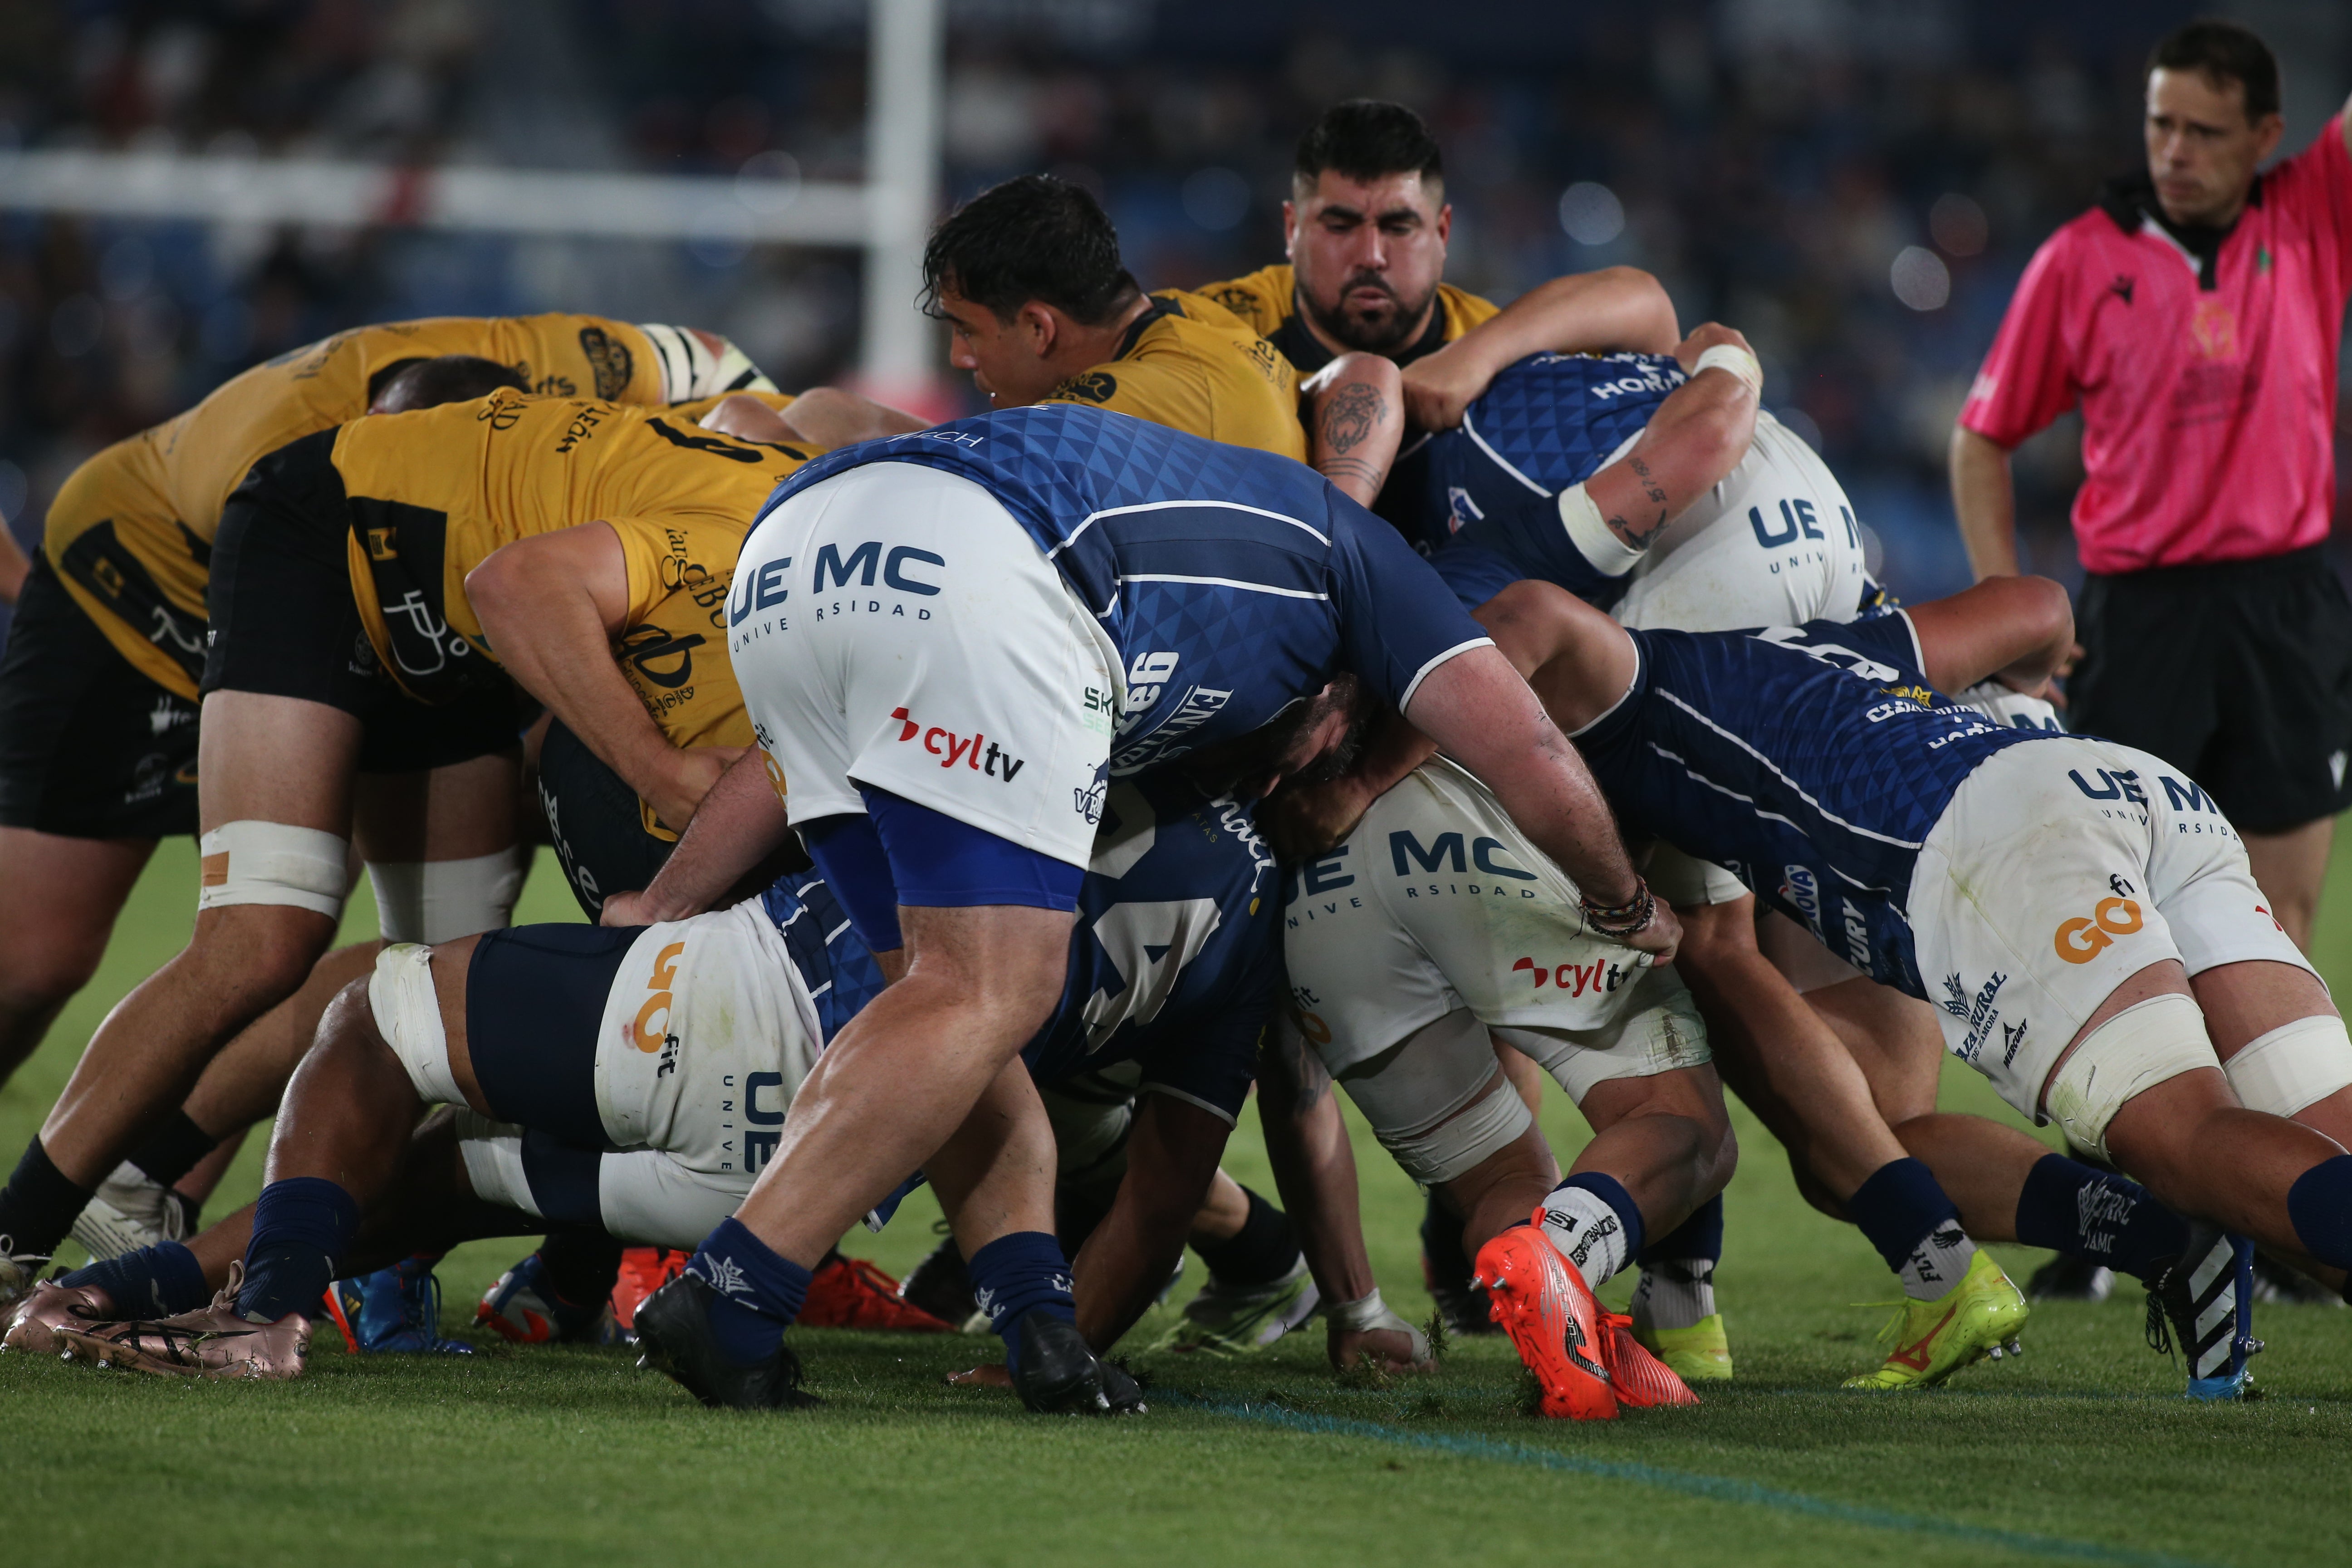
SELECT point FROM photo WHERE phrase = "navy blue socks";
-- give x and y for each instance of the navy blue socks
(300, 1228)
(758, 1291)
(1016, 1275)
(152, 1282)
(1915, 1228)
(2095, 1214)
(2320, 1205)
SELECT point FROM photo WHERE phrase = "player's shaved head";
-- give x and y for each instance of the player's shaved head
(449, 378)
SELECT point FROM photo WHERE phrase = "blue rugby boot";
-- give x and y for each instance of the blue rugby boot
(2204, 1303)
(394, 1311)
(523, 1309)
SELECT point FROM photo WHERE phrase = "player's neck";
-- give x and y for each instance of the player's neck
(1082, 346)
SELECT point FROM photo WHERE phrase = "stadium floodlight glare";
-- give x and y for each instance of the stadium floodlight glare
(887, 215)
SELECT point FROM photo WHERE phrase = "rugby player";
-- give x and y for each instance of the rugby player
(1040, 308)
(99, 684)
(635, 1080)
(1366, 230)
(1434, 932)
(951, 643)
(341, 638)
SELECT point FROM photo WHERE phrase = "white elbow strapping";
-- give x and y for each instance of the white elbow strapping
(1589, 532)
(2293, 1065)
(441, 900)
(256, 862)
(696, 364)
(408, 1016)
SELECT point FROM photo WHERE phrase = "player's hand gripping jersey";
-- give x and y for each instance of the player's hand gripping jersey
(1224, 584)
(704, 1028)
(1189, 364)
(1267, 301)
(426, 497)
(1775, 542)
(130, 532)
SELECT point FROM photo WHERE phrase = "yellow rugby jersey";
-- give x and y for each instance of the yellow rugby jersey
(429, 496)
(131, 531)
(673, 653)
(1268, 301)
(1189, 364)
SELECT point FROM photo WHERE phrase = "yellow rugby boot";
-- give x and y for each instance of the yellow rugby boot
(1929, 1341)
(1700, 1353)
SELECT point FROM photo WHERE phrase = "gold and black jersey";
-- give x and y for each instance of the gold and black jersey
(1268, 301)
(132, 530)
(1187, 363)
(430, 495)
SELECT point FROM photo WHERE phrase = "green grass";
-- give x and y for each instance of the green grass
(2082, 1450)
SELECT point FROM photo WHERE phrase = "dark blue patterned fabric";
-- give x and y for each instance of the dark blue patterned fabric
(1233, 582)
(1173, 962)
(1542, 424)
(1812, 762)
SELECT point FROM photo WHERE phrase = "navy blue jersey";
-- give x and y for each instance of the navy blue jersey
(1232, 580)
(1542, 424)
(1173, 962)
(1809, 761)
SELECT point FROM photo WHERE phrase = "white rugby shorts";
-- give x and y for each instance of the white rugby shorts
(2061, 869)
(1437, 904)
(707, 1033)
(895, 626)
(1775, 544)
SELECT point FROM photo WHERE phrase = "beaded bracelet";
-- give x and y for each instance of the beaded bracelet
(1624, 920)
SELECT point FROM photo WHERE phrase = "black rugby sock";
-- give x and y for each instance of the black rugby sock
(172, 1150)
(1264, 1250)
(1441, 1249)
(39, 1204)
(583, 1265)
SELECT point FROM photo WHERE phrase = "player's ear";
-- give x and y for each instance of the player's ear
(1037, 327)
(1289, 227)
(1444, 221)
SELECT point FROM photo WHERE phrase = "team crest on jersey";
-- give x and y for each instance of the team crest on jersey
(610, 361)
(1917, 696)
(1088, 386)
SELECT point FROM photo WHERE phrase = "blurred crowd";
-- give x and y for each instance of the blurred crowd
(1856, 184)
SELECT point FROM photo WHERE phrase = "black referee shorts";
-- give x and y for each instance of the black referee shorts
(284, 624)
(2241, 674)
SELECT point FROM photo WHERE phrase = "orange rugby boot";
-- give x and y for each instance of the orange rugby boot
(1554, 1322)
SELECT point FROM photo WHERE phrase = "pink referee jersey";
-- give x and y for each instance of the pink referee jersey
(2208, 413)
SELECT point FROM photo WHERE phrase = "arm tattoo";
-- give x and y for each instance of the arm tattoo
(1636, 534)
(1649, 486)
(1352, 416)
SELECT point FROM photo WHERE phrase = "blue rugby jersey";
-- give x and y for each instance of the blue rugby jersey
(1812, 762)
(1173, 963)
(1542, 424)
(1233, 582)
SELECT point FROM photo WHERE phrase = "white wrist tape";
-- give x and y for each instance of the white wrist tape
(441, 900)
(696, 364)
(1371, 1313)
(257, 862)
(2293, 1065)
(1738, 360)
(1589, 532)
(408, 1016)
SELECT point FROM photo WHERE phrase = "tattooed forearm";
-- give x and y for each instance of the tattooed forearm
(1639, 535)
(1351, 416)
(1649, 486)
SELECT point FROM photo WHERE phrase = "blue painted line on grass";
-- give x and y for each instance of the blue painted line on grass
(1716, 1489)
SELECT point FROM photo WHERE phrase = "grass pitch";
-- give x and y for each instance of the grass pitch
(2083, 1450)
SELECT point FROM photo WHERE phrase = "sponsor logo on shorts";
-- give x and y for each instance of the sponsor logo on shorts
(951, 748)
(2117, 784)
(651, 1033)
(1599, 976)
(1100, 710)
(1088, 798)
(2080, 939)
(1460, 510)
(2185, 796)
(1857, 936)
(1978, 1012)
(1803, 891)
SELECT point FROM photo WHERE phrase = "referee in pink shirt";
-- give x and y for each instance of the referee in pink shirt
(2194, 316)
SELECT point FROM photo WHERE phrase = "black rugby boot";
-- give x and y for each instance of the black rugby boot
(1061, 1375)
(673, 1336)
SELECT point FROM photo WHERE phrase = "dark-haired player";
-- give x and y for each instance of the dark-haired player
(342, 640)
(1366, 229)
(1040, 308)
(99, 684)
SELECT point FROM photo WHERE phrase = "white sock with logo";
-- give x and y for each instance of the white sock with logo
(1674, 1293)
(1936, 1264)
(1587, 1231)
